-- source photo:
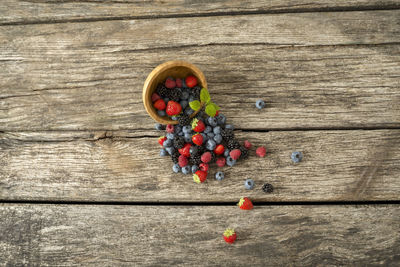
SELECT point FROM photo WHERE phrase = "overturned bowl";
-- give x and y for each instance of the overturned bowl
(175, 69)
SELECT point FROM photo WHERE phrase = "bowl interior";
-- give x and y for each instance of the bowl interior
(159, 74)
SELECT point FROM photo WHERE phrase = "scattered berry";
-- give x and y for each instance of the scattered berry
(268, 188)
(210, 135)
(208, 129)
(159, 104)
(170, 150)
(218, 138)
(171, 136)
(229, 236)
(173, 108)
(261, 151)
(247, 144)
(195, 168)
(161, 140)
(178, 82)
(197, 139)
(176, 168)
(221, 162)
(163, 152)
(226, 152)
(184, 119)
(206, 157)
(183, 104)
(187, 129)
(155, 97)
(260, 104)
(187, 138)
(230, 161)
(175, 157)
(198, 125)
(219, 149)
(170, 83)
(183, 161)
(212, 121)
(159, 126)
(179, 142)
(161, 113)
(185, 95)
(219, 176)
(296, 156)
(235, 154)
(200, 177)
(186, 170)
(191, 81)
(170, 128)
(221, 119)
(204, 167)
(185, 150)
(217, 130)
(210, 145)
(245, 204)
(249, 184)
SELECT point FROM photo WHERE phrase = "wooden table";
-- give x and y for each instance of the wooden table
(81, 182)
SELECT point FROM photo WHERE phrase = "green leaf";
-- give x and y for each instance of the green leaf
(211, 110)
(215, 106)
(195, 105)
(204, 96)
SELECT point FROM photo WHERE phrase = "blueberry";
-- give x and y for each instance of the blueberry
(210, 145)
(170, 136)
(230, 161)
(218, 138)
(185, 95)
(170, 149)
(188, 138)
(217, 130)
(219, 176)
(208, 129)
(186, 170)
(221, 119)
(159, 126)
(181, 134)
(187, 129)
(296, 156)
(229, 126)
(163, 152)
(176, 168)
(161, 113)
(195, 168)
(249, 184)
(183, 104)
(205, 137)
(167, 143)
(174, 118)
(226, 152)
(260, 104)
(210, 135)
(189, 111)
(212, 121)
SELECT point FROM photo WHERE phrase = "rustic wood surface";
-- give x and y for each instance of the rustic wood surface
(125, 166)
(73, 130)
(71, 235)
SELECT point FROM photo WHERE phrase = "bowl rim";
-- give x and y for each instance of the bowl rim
(153, 75)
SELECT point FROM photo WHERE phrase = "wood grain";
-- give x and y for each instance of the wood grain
(45, 11)
(125, 166)
(72, 235)
(54, 79)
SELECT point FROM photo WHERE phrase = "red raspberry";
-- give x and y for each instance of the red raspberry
(182, 161)
(170, 83)
(206, 157)
(204, 167)
(221, 162)
(170, 128)
(159, 104)
(247, 144)
(235, 154)
(155, 97)
(178, 83)
(261, 151)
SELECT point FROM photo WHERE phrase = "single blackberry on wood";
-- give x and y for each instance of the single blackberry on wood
(175, 157)
(179, 142)
(162, 90)
(184, 120)
(268, 188)
(175, 94)
(233, 144)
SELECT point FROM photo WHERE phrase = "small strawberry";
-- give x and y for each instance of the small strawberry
(159, 104)
(217, 113)
(178, 83)
(161, 140)
(198, 125)
(261, 151)
(247, 144)
(219, 149)
(204, 167)
(245, 204)
(191, 81)
(155, 97)
(173, 108)
(221, 162)
(170, 128)
(182, 160)
(200, 177)
(206, 157)
(229, 236)
(170, 83)
(185, 150)
(235, 154)
(197, 139)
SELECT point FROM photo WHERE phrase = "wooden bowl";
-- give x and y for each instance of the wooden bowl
(175, 69)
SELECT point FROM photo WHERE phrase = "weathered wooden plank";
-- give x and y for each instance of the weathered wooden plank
(71, 235)
(16, 11)
(46, 84)
(123, 166)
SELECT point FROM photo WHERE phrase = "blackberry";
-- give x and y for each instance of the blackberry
(244, 152)
(184, 120)
(195, 159)
(213, 157)
(268, 188)
(227, 134)
(196, 91)
(162, 90)
(175, 94)
(179, 142)
(233, 144)
(175, 156)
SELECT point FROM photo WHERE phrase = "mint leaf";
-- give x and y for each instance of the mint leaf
(195, 105)
(204, 96)
(215, 106)
(211, 110)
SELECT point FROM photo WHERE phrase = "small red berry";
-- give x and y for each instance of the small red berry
(261, 151)
(170, 128)
(191, 81)
(199, 177)
(235, 154)
(159, 104)
(178, 83)
(206, 157)
(170, 83)
(219, 149)
(182, 161)
(155, 97)
(185, 150)
(217, 113)
(197, 139)
(198, 125)
(161, 140)
(245, 204)
(229, 236)
(221, 162)
(173, 108)
(247, 144)
(204, 167)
